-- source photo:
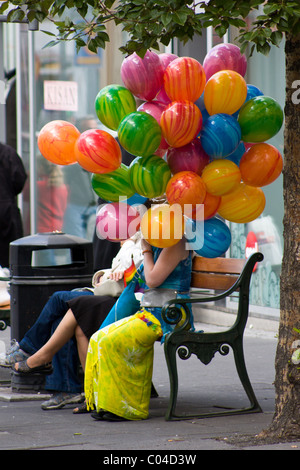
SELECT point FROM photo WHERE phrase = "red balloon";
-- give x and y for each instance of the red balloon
(190, 157)
(98, 152)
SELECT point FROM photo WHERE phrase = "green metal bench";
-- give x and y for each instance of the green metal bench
(229, 276)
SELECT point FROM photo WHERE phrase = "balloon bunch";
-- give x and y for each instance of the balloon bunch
(198, 138)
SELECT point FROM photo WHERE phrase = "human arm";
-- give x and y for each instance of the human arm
(156, 273)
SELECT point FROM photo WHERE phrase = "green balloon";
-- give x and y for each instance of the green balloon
(112, 186)
(112, 104)
(149, 176)
(260, 119)
(140, 134)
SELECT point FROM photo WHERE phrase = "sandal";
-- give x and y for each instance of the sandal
(24, 369)
(81, 409)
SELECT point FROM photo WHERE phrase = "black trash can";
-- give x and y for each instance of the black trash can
(40, 265)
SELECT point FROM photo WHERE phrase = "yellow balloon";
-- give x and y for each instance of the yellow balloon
(242, 205)
(221, 177)
(163, 225)
(225, 92)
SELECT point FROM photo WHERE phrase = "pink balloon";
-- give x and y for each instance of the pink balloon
(224, 57)
(190, 157)
(117, 221)
(143, 77)
(155, 109)
(165, 59)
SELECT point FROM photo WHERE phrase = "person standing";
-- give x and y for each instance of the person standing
(12, 180)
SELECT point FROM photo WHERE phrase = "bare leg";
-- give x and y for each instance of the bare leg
(63, 333)
(82, 345)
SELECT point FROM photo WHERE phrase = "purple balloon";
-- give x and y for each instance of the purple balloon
(190, 157)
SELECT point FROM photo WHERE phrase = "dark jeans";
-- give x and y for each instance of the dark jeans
(65, 363)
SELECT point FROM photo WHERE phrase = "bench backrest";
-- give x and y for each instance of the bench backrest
(216, 273)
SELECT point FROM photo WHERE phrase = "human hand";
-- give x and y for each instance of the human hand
(116, 275)
(145, 245)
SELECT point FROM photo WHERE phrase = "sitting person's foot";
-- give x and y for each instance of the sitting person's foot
(103, 415)
(14, 354)
(59, 400)
(23, 368)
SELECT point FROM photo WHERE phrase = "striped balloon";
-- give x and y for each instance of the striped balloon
(97, 151)
(242, 205)
(225, 92)
(112, 104)
(149, 175)
(184, 79)
(56, 142)
(261, 164)
(220, 135)
(209, 239)
(140, 134)
(114, 185)
(224, 57)
(180, 122)
(221, 177)
(143, 77)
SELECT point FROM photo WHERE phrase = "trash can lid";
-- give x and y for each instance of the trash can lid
(50, 240)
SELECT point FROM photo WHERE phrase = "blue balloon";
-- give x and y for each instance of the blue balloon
(220, 135)
(194, 233)
(217, 238)
(252, 91)
(200, 104)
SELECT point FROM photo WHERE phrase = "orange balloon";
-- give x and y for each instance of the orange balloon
(225, 92)
(180, 122)
(56, 142)
(261, 164)
(184, 79)
(187, 189)
(221, 176)
(98, 151)
(242, 205)
(163, 225)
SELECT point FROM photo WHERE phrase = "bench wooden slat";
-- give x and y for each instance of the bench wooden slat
(219, 265)
(212, 281)
(5, 307)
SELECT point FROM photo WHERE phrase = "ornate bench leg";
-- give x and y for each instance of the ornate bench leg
(170, 355)
(238, 352)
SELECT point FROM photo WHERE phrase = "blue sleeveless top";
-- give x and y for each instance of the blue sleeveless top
(179, 280)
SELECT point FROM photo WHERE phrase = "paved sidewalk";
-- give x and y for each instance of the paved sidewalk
(24, 425)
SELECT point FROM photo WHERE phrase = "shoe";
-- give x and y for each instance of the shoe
(103, 415)
(14, 354)
(24, 369)
(61, 399)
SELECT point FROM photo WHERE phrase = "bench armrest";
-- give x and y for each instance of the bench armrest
(176, 311)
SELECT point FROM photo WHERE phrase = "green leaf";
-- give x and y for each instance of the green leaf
(15, 15)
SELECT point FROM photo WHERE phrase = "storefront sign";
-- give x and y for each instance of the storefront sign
(60, 96)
